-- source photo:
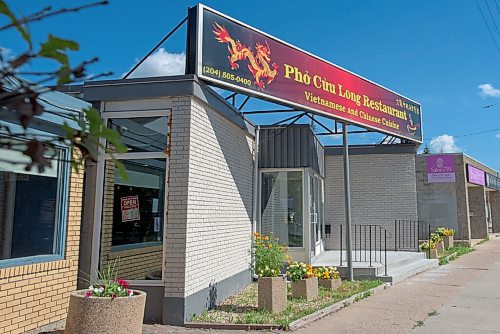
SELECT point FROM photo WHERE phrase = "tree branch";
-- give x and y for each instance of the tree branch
(43, 14)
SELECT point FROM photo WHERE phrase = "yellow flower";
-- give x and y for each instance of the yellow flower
(270, 245)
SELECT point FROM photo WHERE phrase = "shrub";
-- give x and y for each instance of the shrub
(425, 246)
(436, 238)
(326, 272)
(445, 232)
(268, 254)
(299, 270)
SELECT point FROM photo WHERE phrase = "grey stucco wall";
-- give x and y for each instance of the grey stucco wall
(437, 202)
(383, 189)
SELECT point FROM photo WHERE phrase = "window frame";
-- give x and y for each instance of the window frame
(61, 215)
(305, 207)
(99, 195)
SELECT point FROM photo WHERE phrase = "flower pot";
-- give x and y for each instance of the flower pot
(448, 241)
(440, 248)
(432, 254)
(330, 284)
(305, 288)
(91, 315)
(272, 294)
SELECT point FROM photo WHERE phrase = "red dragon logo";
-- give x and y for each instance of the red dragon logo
(259, 62)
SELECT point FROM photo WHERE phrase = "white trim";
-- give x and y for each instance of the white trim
(136, 155)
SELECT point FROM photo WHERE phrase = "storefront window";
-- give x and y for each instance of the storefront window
(142, 134)
(282, 209)
(31, 208)
(132, 222)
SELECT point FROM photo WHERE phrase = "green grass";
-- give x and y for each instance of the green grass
(242, 307)
(453, 253)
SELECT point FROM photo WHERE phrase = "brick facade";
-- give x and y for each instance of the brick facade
(383, 189)
(35, 295)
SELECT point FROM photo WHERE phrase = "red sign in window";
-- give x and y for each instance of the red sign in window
(130, 208)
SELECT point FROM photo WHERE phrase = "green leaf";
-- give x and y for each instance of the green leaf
(121, 169)
(55, 48)
(4, 9)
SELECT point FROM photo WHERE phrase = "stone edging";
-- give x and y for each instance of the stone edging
(211, 325)
(333, 308)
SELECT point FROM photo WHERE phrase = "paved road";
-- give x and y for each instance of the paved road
(461, 297)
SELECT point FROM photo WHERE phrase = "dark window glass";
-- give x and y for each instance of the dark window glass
(142, 134)
(30, 222)
(132, 218)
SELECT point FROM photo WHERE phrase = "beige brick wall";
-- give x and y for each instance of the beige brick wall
(219, 199)
(35, 295)
(383, 189)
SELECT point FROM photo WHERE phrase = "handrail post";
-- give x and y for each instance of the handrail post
(429, 240)
(395, 235)
(370, 245)
(385, 251)
(341, 245)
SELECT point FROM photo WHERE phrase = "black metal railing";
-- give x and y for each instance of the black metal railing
(369, 244)
(409, 234)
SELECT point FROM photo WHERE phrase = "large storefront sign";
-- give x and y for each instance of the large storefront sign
(492, 181)
(475, 175)
(440, 168)
(235, 56)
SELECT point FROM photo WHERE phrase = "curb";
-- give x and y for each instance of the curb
(333, 308)
(248, 327)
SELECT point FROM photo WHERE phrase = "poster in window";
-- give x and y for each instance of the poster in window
(130, 208)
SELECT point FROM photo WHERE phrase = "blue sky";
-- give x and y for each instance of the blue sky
(435, 52)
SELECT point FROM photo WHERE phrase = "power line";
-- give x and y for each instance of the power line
(492, 18)
(498, 7)
(462, 112)
(487, 26)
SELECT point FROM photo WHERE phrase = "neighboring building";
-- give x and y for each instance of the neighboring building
(458, 192)
(40, 216)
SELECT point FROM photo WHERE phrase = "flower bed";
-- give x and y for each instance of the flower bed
(242, 307)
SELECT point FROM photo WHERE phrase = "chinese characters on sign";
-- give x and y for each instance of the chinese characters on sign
(440, 168)
(130, 208)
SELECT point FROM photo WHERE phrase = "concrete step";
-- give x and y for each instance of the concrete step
(396, 274)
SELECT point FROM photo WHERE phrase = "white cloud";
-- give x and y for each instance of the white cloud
(487, 90)
(444, 144)
(161, 63)
(5, 54)
(497, 135)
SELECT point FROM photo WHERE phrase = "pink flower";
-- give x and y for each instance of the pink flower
(88, 294)
(114, 296)
(130, 292)
(123, 283)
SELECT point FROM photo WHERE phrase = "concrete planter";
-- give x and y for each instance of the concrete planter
(305, 288)
(432, 254)
(440, 248)
(448, 241)
(272, 294)
(92, 315)
(330, 284)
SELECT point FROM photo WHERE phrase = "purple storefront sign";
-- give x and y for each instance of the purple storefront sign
(440, 168)
(476, 176)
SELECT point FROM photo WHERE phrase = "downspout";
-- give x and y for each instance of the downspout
(255, 210)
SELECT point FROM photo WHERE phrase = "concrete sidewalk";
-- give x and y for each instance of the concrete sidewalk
(465, 294)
